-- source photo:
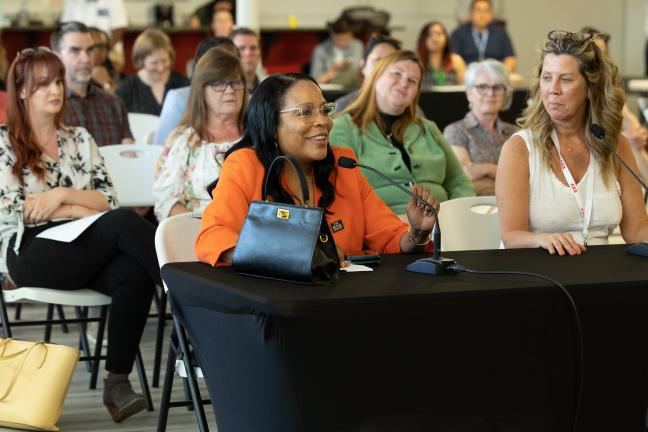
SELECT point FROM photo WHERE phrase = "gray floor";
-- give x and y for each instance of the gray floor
(84, 410)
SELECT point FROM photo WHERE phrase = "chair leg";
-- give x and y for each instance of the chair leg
(159, 341)
(83, 337)
(143, 381)
(48, 326)
(167, 387)
(97, 354)
(4, 317)
(183, 345)
(18, 311)
(61, 314)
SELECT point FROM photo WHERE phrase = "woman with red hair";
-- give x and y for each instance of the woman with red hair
(50, 173)
(442, 66)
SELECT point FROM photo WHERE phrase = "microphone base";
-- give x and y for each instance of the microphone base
(431, 266)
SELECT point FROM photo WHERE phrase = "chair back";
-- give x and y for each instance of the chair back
(175, 238)
(132, 170)
(143, 127)
(470, 223)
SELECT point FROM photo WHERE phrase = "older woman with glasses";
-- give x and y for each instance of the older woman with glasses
(49, 174)
(288, 115)
(477, 139)
(194, 151)
(558, 187)
(384, 129)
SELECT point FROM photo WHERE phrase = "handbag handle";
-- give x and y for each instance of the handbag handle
(300, 174)
(19, 369)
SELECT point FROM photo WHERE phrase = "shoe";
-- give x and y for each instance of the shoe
(121, 400)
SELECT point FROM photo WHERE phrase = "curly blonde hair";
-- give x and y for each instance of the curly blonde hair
(605, 102)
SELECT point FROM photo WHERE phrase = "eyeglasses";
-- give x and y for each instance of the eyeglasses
(558, 35)
(307, 111)
(483, 89)
(221, 85)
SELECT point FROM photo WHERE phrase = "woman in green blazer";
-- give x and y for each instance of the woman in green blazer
(384, 129)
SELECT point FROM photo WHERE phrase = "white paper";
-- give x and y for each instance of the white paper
(67, 232)
(352, 268)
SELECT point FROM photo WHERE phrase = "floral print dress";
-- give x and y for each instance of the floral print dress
(79, 166)
(187, 166)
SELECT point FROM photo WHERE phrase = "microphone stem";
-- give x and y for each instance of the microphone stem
(630, 170)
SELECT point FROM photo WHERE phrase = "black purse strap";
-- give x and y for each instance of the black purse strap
(300, 174)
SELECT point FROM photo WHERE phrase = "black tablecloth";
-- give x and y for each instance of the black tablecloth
(445, 107)
(435, 353)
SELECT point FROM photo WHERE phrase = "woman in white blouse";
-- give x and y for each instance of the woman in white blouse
(557, 186)
(195, 150)
(49, 174)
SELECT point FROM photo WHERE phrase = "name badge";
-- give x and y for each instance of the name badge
(337, 226)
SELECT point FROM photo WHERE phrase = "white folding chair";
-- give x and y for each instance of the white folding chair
(470, 223)
(132, 170)
(143, 127)
(174, 242)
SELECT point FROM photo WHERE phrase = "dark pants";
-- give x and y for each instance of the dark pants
(115, 256)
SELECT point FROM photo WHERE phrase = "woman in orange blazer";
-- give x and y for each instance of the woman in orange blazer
(288, 115)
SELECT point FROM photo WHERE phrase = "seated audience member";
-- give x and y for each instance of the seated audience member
(248, 45)
(635, 133)
(202, 17)
(153, 57)
(384, 129)
(103, 70)
(477, 139)
(222, 23)
(481, 38)
(175, 102)
(377, 47)
(99, 112)
(558, 187)
(288, 115)
(212, 124)
(442, 66)
(50, 172)
(336, 60)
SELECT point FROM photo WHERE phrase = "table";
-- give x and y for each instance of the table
(445, 353)
(445, 107)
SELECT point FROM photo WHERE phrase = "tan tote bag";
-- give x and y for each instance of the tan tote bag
(34, 380)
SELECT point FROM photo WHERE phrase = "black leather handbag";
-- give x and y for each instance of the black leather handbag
(287, 242)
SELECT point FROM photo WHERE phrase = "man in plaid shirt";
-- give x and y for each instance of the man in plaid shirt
(87, 105)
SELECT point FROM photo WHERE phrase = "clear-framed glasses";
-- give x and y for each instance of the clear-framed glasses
(558, 35)
(483, 89)
(221, 85)
(307, 111)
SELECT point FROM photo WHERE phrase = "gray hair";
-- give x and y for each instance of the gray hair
(497, 71)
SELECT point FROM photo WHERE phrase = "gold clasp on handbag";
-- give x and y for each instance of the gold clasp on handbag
(323, 238)
(283, 213)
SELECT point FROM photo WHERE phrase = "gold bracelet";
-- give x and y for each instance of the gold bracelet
(409, 237)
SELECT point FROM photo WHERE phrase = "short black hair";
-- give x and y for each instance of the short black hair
(377, 39)
(341, 25)
(213, 42)
(64, 28)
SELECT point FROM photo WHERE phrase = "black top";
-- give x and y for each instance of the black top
(139, 97)
(389, 121)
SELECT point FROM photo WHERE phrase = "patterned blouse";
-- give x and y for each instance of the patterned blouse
(482, 146)
(79, 166)
(187, 166)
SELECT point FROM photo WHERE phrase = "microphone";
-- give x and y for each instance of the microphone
(640, 248)
(436, 265)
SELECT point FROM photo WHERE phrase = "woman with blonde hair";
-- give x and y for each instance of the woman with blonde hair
(212, 123)
(153, 57)
(557, 186)
(384, 129)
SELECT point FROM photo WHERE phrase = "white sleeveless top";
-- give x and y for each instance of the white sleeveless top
(552, 207)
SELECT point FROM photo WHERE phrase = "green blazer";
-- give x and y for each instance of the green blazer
(434, 164)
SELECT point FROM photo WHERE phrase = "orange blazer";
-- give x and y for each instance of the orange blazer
(357, 214)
